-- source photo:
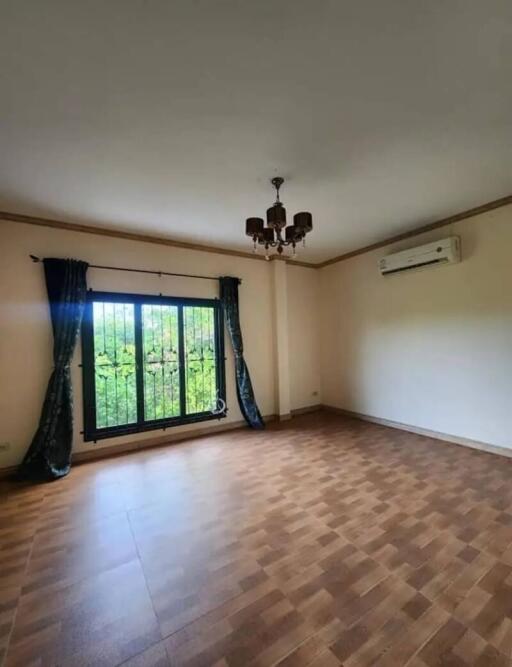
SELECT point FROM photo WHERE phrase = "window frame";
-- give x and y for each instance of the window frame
(90, 432)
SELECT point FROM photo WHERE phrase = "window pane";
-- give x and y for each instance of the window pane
(114, 364)
(200, 361)
(160, 362)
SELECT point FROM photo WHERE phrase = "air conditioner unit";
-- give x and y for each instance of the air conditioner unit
(446, 251)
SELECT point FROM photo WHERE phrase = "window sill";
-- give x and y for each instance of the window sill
(159, 425)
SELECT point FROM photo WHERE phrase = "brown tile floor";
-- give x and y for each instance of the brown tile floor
(322, 542)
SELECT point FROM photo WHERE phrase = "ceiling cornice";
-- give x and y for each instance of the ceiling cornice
(457, 217)
(132, 236)
(158, 240)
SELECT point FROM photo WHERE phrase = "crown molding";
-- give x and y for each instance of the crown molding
(159, 240)
(135, 236)
(457, 217)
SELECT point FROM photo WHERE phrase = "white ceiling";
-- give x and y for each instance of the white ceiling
(168, 117)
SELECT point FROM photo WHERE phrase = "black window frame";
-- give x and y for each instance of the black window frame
(90, 432)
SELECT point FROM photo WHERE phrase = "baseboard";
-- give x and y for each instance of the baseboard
(148, 443)
(160, 441)
(445, 437)
(307, 410)
(170, 438)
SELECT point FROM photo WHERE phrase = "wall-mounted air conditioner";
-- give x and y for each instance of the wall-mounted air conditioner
(446, 251)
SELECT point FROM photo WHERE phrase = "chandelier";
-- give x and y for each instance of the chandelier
(271, 236)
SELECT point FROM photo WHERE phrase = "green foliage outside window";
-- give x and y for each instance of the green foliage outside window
(115, 361)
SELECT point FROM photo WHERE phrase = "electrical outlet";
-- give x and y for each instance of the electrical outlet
(5, 446)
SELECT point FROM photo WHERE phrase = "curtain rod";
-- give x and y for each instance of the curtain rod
(155, 273)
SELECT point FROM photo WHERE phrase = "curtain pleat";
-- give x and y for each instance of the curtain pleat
(244, 390)
(49, 454)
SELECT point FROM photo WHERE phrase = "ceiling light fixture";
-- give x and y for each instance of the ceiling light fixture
(271, 236)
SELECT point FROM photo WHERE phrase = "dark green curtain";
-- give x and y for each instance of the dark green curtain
(244, 390)
(49, 455)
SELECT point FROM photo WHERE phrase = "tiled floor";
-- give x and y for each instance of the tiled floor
(322, 542)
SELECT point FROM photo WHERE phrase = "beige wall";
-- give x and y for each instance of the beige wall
(303, 286)
(432, 348)
(25, 333)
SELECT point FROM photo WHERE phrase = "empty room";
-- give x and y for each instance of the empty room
(255, 333)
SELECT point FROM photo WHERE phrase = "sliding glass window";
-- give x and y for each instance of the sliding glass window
(150, 362)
